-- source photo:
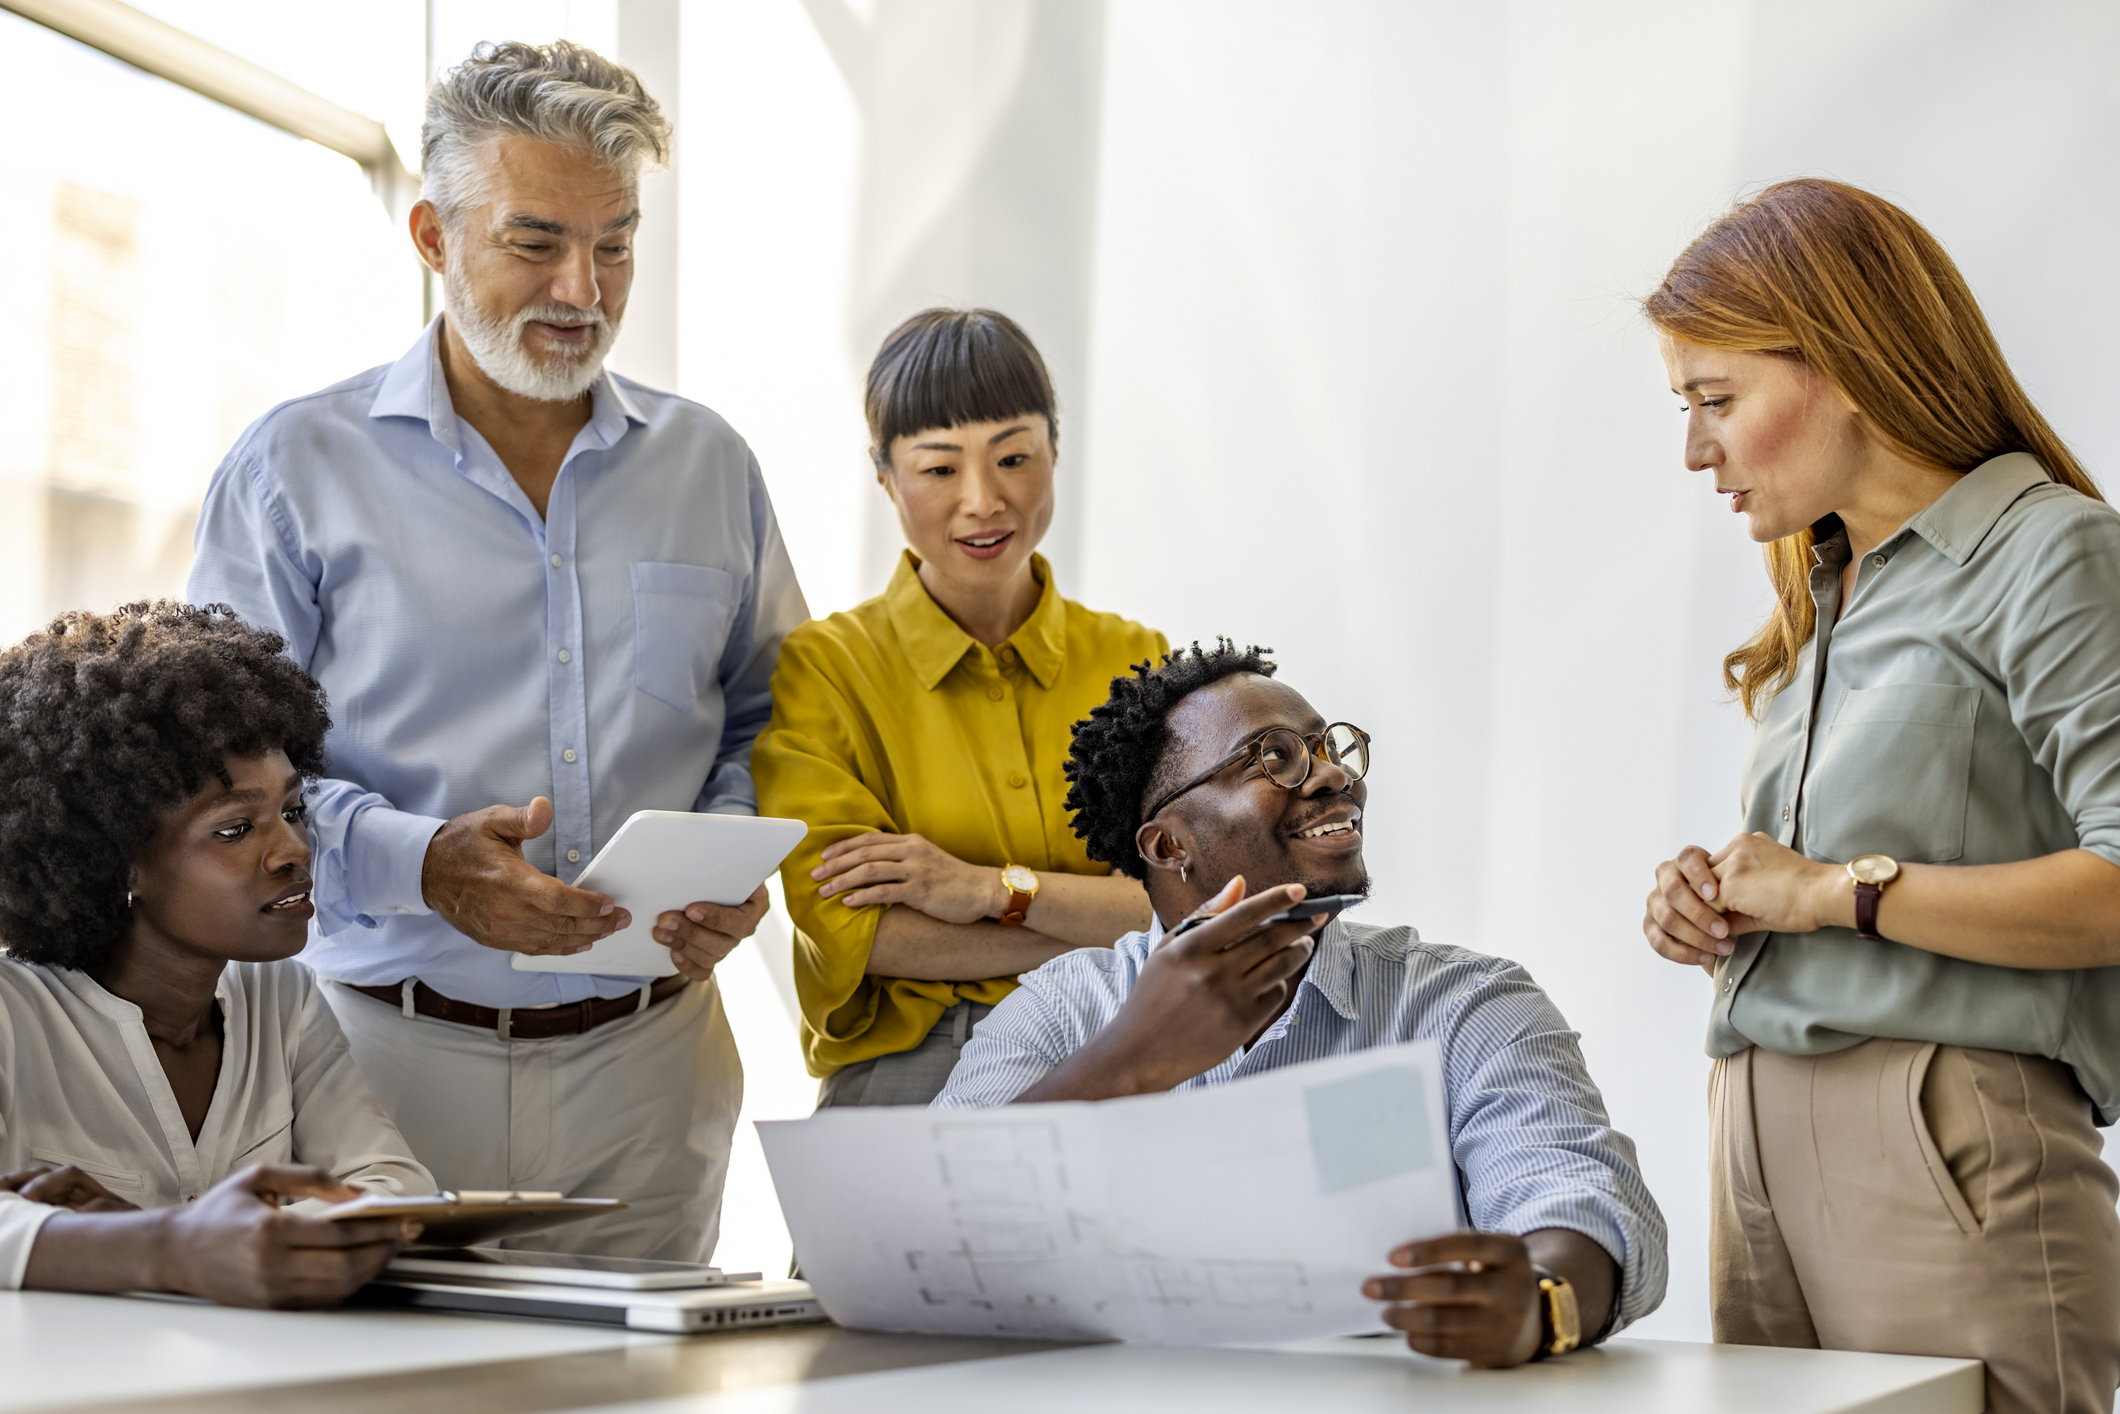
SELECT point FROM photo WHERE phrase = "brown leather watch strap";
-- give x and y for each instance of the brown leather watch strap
(525, 1023)
(1866, 897)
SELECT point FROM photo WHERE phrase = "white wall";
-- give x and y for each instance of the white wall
(1366, 385)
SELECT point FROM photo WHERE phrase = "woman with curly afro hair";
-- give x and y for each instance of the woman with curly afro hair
(168, 1073)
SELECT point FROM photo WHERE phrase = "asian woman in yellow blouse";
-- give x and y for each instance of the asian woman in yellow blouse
(922, 734)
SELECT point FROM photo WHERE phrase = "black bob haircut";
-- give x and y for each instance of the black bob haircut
(947, 367)
(1116, 761)
(108, 721)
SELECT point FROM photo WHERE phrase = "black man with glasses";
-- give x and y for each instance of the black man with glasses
(1232, 799)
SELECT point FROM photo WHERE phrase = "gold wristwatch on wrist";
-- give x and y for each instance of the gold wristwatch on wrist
(1871, 872)
(1022, 886)
(1560, 1320)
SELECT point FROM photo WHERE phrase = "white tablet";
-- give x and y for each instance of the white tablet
(660, 861)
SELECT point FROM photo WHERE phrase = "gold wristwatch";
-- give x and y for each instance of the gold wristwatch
(1560, 1322)
(1871, 872)
(1022, 886)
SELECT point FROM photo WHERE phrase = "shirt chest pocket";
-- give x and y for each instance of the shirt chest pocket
(122, 1182)
(681, 616)
(1891, 774)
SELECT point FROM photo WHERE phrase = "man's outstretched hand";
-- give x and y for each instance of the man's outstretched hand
(475, 876)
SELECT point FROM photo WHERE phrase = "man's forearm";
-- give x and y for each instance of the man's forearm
(1588, 1267)
(911, 944)
(1101, 1072)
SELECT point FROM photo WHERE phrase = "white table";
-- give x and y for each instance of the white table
(176, 1358)
(1382, 1377)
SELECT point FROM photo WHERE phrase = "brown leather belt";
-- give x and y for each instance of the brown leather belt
(526, 1023)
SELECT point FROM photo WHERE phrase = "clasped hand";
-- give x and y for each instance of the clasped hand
(1703, 902)
(476, 878)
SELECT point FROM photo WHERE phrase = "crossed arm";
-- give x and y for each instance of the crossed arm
(938, 926)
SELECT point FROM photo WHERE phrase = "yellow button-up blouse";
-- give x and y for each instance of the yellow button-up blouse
(888, 717)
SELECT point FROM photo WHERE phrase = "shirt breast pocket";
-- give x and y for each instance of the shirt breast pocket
(122, 1182)
(681, 617)
(1892, 774)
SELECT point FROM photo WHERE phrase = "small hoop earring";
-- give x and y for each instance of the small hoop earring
(128, 898)
(1184, 875)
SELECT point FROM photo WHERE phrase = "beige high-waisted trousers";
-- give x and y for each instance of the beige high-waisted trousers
(1917, 1199)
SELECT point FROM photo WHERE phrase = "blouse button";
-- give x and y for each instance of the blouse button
(996, 693)
(574, 856)
(1015, 778)
(1785, 812)
(1877, 560)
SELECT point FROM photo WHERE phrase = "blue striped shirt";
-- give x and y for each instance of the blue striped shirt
(1533, 1144)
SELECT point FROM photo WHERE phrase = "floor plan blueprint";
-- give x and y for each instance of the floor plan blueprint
(1241, 1213)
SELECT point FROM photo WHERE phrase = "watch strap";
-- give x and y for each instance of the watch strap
(1560, 1326)
(1019, 905)
(1866, 898)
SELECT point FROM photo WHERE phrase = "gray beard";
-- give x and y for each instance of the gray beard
(497, 347)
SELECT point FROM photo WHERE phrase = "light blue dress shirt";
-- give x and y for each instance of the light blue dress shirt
(1528, 1128)
(614, 655)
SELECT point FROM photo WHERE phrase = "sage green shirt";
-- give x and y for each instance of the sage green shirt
(1965, 710)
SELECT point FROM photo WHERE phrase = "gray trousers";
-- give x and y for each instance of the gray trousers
(906, 1077)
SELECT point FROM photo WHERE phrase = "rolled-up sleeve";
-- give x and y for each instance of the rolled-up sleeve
(1051, 1015)
(808, 768)
(2060, 659)
(1531, 1135)
(20, 1222)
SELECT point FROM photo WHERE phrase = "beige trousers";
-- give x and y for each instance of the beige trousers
(1915, 1199)
(641, 1108)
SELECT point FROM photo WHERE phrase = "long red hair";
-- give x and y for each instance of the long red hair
(1857, 289)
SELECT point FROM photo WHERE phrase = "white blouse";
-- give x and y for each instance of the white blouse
(80, 1085)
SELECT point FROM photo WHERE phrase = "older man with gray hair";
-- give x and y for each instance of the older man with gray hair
(541, 597)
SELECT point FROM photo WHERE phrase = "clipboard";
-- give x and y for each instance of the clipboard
(660, 861)
(462, 1219)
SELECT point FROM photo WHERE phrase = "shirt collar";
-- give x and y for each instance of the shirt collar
(1958, 520)
(416, 387)
(1331, 970)
(934, 644)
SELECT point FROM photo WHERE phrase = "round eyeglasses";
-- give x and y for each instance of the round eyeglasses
(1285, 755)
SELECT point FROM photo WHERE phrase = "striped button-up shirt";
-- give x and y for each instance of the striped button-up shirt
(1528, 1128)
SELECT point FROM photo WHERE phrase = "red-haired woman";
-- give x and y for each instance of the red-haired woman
(1914, 945)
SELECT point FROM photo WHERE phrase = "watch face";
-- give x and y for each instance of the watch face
(1022, 880)
(1874, 869)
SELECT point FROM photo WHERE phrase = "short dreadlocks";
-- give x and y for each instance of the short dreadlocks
(107, 721)
(1117, 759)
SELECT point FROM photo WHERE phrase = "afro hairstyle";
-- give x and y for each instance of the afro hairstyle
(1116, 760)
(107, 722)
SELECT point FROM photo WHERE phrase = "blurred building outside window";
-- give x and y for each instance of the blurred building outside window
(181, 268)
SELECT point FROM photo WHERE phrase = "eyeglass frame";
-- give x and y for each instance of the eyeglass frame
(1313, 750)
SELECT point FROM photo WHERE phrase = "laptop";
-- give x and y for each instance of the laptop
(679, 1297)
